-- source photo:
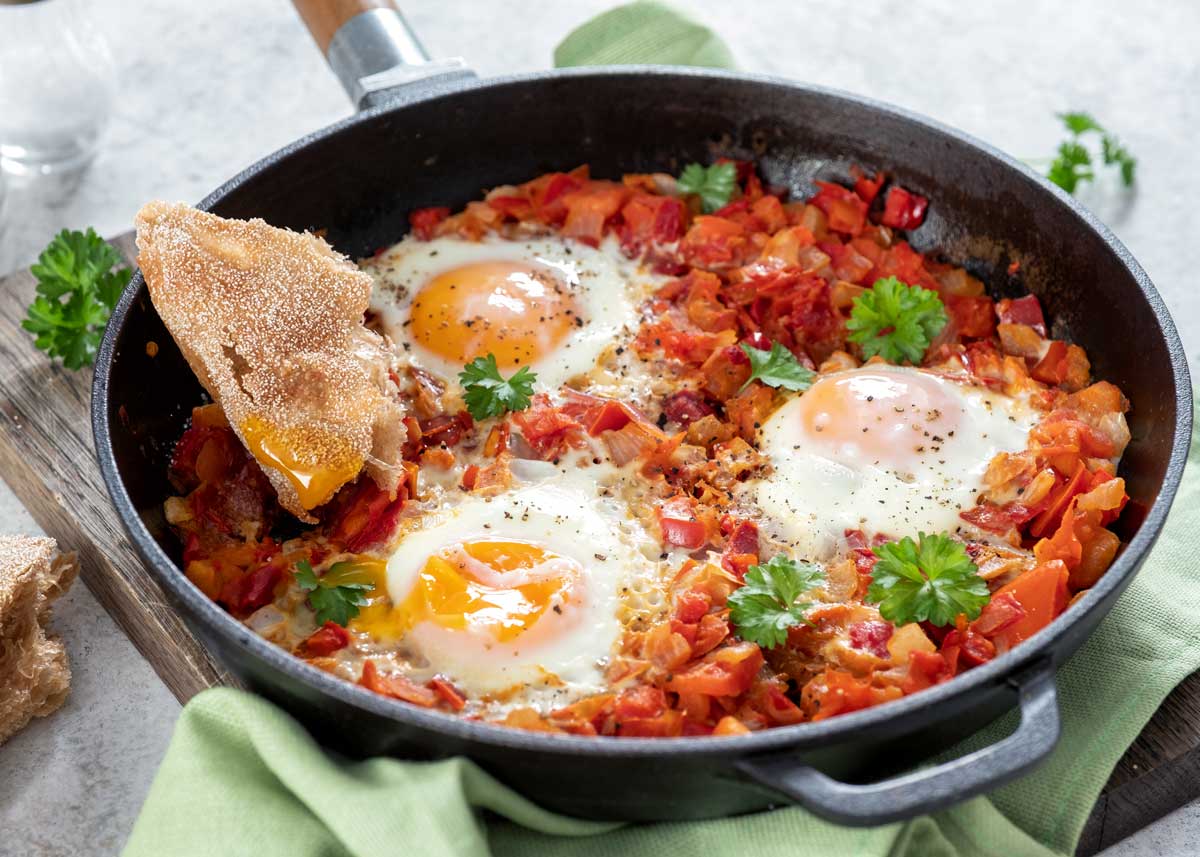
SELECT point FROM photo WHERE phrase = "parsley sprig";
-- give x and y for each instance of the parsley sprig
(77, 287)
(931, 581)
(777, 368)
(766, 605)
(490, 394)
(896, 320)
(714, 184)
(1074, 161)
(338, 594)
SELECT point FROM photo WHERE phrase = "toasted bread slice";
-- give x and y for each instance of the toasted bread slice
(271, 322)
(34, 675)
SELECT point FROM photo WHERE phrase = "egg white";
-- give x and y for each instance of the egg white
(562, 656)
(818, 489)
(606, 285)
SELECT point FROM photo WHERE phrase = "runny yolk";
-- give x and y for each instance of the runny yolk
(889, 418)
(287, 448)
(499, 588)
(514, 310)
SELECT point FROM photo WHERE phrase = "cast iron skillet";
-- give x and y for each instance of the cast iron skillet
(444, 140)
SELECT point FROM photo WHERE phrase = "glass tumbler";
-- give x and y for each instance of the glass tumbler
(57, 83)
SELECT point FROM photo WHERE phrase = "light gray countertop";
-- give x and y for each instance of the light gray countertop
(208, 88)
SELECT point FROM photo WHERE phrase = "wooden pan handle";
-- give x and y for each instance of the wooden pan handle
(324, 17)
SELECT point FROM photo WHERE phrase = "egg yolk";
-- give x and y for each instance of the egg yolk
(293, 450)
(517, 311)
(496, 588)
(879, 417)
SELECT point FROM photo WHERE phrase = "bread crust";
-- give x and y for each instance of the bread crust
(34, 673)
(271, 322)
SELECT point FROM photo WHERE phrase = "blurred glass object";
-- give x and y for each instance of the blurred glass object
(57, 83)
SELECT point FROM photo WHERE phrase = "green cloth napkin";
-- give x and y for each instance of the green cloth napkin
(241, 777)
(642, 32)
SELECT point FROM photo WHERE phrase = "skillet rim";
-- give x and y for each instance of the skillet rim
(798, 736)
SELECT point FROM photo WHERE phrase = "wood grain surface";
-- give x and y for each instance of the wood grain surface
(47, 458)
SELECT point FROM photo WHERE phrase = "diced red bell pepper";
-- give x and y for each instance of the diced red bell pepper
(1042, 594)
(902, 209)
(326, 640)
(611, 416)
(396, 686)
(1048, 521)
(867, 188)
(449, 693)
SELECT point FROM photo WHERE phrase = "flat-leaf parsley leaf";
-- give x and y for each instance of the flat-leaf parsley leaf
(77, 287)
(714, 185)
(490, 394)
(1073, 163)
(896, 320)
(777, 368)
(765, 606)
(932, 581)
(337, 595)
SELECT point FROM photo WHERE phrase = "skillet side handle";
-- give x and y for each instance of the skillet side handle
(374, 53)
(926, 789)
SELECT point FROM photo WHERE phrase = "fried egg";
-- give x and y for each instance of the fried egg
(885, 449)
(517, 598)
(546, 303)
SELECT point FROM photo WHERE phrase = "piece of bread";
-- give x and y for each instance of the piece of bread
(271, 322)
(34, 675)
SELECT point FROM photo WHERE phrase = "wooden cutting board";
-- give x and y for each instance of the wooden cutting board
(47, 458)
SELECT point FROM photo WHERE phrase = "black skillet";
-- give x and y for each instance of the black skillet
(434, 135)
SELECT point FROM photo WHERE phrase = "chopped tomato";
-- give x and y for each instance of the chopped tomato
(590, 209)
(424, 221)
(326, 640)
(847, 212)
(546, 427)
(727, 671)
(973, 316)
(1052, 368)
(651, 219)
(902, 209)
(713, 243)
(366, 515)
(680, 526)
